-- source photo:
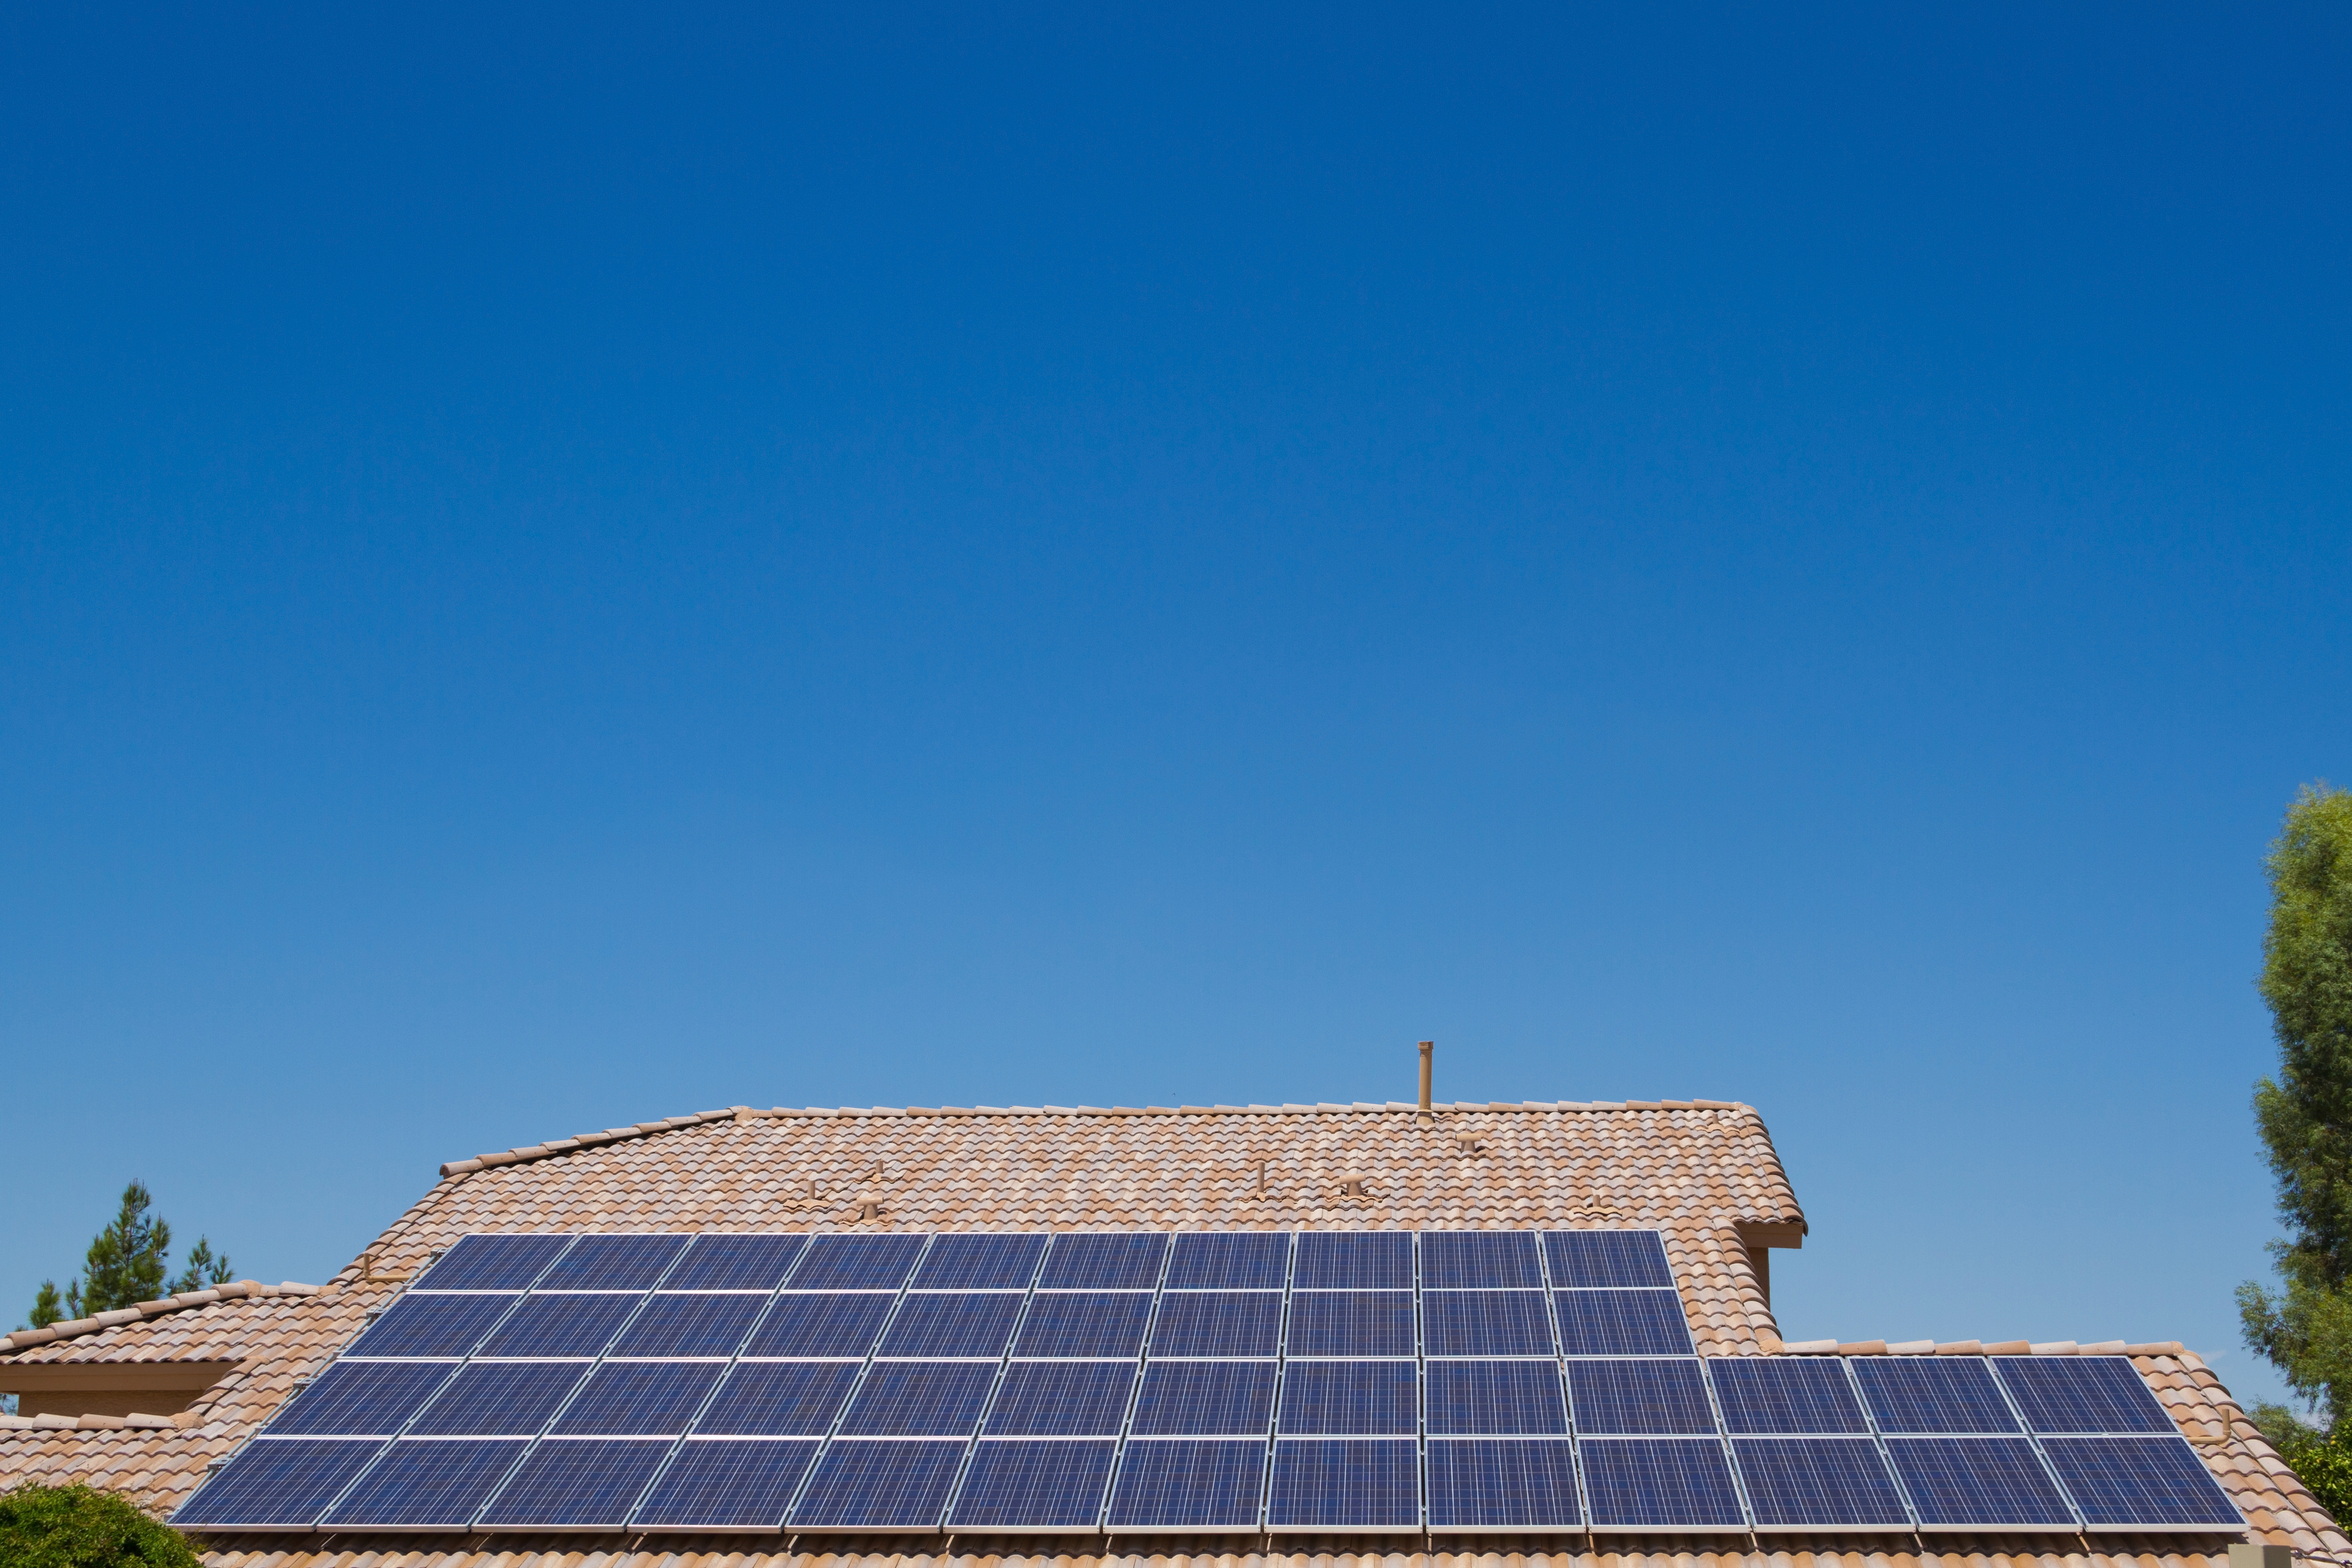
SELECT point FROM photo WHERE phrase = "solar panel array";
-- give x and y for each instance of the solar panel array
(1137, 1383)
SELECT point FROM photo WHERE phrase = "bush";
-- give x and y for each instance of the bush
(2321, 1459)
(76, 1527)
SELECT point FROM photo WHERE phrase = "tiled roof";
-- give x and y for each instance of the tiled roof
(157, 1346)
(1703, 1172)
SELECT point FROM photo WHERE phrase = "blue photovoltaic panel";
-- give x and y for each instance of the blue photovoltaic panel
(1230, 1260)
(1785, 1394)
(1502, 1485)
(1660, 1483)
(1218, 1324)
(360, 1398)
(432, 1325)
(560, 1325)
(691, 1325)
(1351, 1322)
(827, 1324)
(1646, 1398)
(879, 1486)
(585, 1484)
(2081, 1394)
(1205, 1398)
(1107, 1323)
(950, 1326)
(1188, 1485)
(1126, 1261)
(499, 1398)
(1484, 1322)
(980, 1262)
(1825, 1481)
(1033, 1486)
(1959, 1481)
(1607, 1260)
(736, 1263)
(1359, 1485)
(856, 1263)
(491, 1263)
(614, 1263)
(919, 1399)
(1062, 1399)
(779, 1399)
(1480, 1260)
(425, 1485)
(1622, 1323)
(1354, 1260)
(639, 1399)
(1496, 1398)
(2144, 1483)
(1344, 1398)
(272, 1482)
(727, 1486)
(1933, 1394)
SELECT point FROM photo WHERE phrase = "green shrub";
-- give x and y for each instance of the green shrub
(76, 1527)
(2321, 1459)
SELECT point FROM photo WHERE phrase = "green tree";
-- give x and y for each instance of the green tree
(204, 1270)
(75, 1527)
(2305, 1114)
(127, 1264)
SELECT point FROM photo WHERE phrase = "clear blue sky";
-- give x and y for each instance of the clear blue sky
(567, 566)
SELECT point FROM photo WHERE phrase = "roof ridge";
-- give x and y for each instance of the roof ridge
(1980, 1347)
(73, 1328)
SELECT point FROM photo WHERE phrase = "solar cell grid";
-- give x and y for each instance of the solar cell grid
(1933, 1394)
(1230, 1260)
(1494, 1398)
(1487, 1485)
(1485, 1323)
(1351, 1324)
(919, 1399)
(691, 1325)
(614, 1263)
(1622, 1323)
(1206, 1398)
(1819, 1482)
(1086, 1323)
(2141, 1483)
(1120, 1261)
(281, 1483)
(1033, 1486)
(1785, 1394)
(837, 1262)
(499, 1398)
(492, 1263)
(1978, 1483)
(2081, 1394)
(360, 1398)
(950, 1326)
(779, 1399)
(639, 1399)
(736, 1263)
(1188, 1485)
(1660, 1483)
(562, 1325)
(427, 1484)
(830, 1323)
(1649, 1398)
(1480, 1260)
(979, 1261)
(1226, 1323)
(430, 1326)
(727, 1486)
(879, 1486)
(1061, 1399)
(1345, 1398)
(1353, 1261)
(585, 1484)
(1322, 1484)
(1607, 1260)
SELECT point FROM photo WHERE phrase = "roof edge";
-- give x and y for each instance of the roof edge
(242, 1290)
(1980, 1347)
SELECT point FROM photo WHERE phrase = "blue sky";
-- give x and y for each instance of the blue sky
(564, 567)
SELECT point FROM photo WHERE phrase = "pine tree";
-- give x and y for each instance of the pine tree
(204, 1270)
(127, 1264)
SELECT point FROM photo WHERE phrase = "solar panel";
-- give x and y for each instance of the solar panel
(1230, 1260)
(1489, 1485)
(1120, 1261)
(499, 1398)
(360, 1398)
(1819, 1482)
(1354, 1260)
(491, 1263)
(1033, 1486)
(979, 1261)
(1494, 1398)
(736, 1263)
(947, 1326)
(433, 1325)
(1607, 1260)
(1218, 1324)
(1978, 1482)
(826, 1325)
(1187, 1484)
(779, 1399)
(2081, 1394)
(614, 1263)
(1480, 1260)
(2141, 1483)
(727, 1486)
(1622, 1323)
(1337, 1399)
(1096, 1323)
(898, 1485)
(277, 1483)
(1484, 1322)
(1062, 1399)
(1640, 1398)
(919, 1399)
(560, 1325)
(420, 1484)
(837, 1262)
(639, 1399)
(1206, 1398)
(1351, 1322)
(1785, 1394)
(1322, 1484)
(691, 1325)
(579, 1484)
(1933, 1394)
(1660, 1483)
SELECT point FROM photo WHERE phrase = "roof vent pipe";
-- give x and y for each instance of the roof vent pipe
(1427, 1047)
